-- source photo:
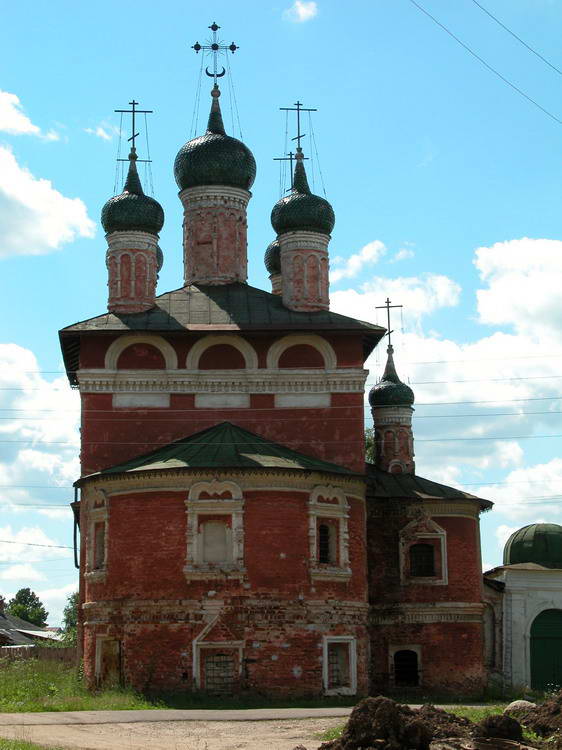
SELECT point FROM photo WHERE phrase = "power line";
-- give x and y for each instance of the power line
(31, 544)
(486, 65)
(514, 35)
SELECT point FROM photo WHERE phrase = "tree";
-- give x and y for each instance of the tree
(70, 613)
(27, 605)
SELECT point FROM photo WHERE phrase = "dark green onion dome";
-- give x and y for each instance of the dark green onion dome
(132, 210)
(215, 158)
(391, 391)
(272, 258)
(159, 258)
(301, 209)
(539, 543)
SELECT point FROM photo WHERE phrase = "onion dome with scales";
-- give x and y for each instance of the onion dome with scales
(301, 210)
(390, 390)
(132, 210)
(539, 543)
(215, 158)
(272, 258)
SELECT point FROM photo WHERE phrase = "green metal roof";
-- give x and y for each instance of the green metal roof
(391, 391)
(384, 485)
(301, 209)
(224, 446)
(210, 309)
(539, 543)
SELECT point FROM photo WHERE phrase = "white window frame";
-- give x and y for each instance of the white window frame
(96, 516)
(352, 645)
(232, 507)
(419, 531)
(200, 644)
(336, 511)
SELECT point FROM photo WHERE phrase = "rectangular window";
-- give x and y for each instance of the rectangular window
(215, 542)
(339, 672)
(219, 674)
(99, 546)
(327, 542)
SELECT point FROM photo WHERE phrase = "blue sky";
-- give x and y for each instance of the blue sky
(445, 182)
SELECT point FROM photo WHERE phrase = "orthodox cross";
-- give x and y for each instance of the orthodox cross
(214, 48)
(388, 307)
(133, 112)
(298, 108)
(290, 158)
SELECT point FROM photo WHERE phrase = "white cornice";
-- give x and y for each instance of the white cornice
(350, 380)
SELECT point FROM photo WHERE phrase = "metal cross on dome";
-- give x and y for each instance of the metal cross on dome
(214, 47)
(133, 112)
(298, 108)
(388, 307)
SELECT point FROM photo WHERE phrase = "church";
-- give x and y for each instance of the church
(232, 536)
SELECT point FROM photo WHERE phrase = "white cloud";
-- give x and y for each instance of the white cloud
(14, 121)
(370, 253)
(36, 218)
(21, 571)
(16, 546)
(503, 532)
(403, 254)
(301, 11)
(104, 131)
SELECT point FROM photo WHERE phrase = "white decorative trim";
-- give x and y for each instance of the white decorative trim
(302, 400)
(426, 613)
(198, 644)
(132, 240)
(243, 346)
(311, 339)
(141, 400)
(352, 644)
(96, 516)
(303, 240)
(416, 531)
(350, 380)
(222, 400)
(123, 342)
(213, 195)
(195, 567)
(338, 511)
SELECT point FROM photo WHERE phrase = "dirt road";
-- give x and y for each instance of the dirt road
(279, 734)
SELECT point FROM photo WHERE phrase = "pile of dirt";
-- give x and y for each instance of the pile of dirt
(382, 724)
(546, 718)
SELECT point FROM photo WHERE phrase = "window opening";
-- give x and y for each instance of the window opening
(422, 560)
(339, 673)
(99, 546)
(219, 672)
(406, 671)
(324, 543)
(215, 548)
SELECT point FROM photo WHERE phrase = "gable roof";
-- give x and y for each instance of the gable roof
(223, 446)
(20, 632)
(225, 307)
(382, 484)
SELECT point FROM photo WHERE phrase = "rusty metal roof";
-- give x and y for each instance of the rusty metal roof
(227, 307)
(382, 484)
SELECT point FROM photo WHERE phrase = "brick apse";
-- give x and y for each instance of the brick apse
(232, 536)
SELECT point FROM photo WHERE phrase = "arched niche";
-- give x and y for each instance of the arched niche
(116, 349)
(324, 348)
(213, 340)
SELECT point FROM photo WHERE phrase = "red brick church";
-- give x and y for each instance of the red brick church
(232, 536)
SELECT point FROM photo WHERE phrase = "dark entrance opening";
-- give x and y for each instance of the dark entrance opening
(406, 672)
(546, 650)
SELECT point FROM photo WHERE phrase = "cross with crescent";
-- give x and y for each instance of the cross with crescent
(388, 307)
(214, 48)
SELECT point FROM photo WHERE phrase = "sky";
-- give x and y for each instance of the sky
(446, 184)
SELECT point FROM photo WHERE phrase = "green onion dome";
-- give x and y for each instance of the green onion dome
(132, 210)
(301, 209)
(391, 391)
(215, 158)
(539, 543)
(272, 258)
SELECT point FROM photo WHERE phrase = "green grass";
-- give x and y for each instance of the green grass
(33, 685)
(20, 745)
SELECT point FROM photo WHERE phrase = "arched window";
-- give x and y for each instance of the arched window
(327, 540)
(406, 669)
(422, 560)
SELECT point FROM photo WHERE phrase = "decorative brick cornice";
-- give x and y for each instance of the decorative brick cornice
(409, 614)
(350, 380)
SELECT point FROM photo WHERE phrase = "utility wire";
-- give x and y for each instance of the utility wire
(514, 35)
(30, 544)
(486, 65)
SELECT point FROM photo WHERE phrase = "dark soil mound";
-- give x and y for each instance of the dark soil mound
(546, 719)
(499, 726)
(444, 724)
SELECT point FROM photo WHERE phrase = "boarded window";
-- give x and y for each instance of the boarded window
(406, 670)
(422, 560)
(219, 672)
(215, 542)
(99, 546)
(339, 671)
(327, 544)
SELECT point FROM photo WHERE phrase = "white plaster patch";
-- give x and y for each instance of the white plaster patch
(222, 400)
(146, 400)
(297, 672)
(302, 400)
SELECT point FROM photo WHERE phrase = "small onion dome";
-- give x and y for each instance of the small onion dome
(132, 210)
(159, 258)
(391, 391)
(539, 543)
(301, 209)
(272, 258)
(215, 158)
